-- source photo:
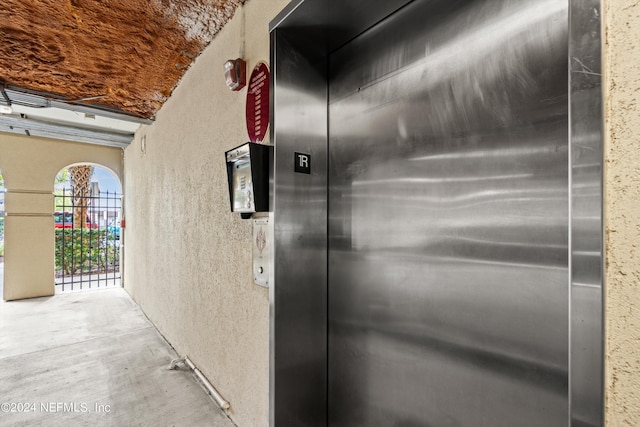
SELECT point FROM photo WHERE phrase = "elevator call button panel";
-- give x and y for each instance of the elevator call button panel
(261, 251)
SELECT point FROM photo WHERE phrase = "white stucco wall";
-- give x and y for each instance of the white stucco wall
(187, 257)
(29, 166)
(621, 81)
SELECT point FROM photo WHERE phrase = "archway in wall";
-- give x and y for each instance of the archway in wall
(87, 217)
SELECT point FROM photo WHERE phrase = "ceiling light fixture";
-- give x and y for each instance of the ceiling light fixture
(6, 109)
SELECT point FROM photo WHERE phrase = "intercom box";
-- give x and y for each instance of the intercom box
(248, 172)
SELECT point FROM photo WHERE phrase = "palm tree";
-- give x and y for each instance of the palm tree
(80, 184)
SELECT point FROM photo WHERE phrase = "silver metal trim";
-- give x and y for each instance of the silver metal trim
(238, 153)
(284, 14)
(586, 236)
(298, 294)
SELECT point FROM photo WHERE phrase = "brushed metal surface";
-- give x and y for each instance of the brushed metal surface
(298, 309)
(586, 153)
(448, 218)
(332, 23)
(451, 221)
(262, 258)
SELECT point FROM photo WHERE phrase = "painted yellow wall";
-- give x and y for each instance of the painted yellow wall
(187, 258)
(29, 166)
(621, 79)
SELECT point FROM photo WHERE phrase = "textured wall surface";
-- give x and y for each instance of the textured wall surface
(187, 258)
(125, 54)
(29, 166)
(622, 211)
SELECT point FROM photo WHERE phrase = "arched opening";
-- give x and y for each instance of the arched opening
(87, 217)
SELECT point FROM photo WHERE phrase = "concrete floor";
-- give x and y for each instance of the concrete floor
(93, 359)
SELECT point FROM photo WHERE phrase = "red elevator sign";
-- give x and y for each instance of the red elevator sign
(258, 103)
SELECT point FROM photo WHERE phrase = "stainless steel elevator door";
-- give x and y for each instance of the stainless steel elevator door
(448, 218)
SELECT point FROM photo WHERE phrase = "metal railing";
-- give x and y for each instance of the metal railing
(87, 242)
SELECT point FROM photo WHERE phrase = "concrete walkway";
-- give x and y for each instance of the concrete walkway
(93, 359)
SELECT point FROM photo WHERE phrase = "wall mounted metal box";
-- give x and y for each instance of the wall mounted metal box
(248, 175)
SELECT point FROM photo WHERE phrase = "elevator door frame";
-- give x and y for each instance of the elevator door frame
(302, 37)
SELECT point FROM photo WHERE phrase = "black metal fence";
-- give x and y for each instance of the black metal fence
(87, 242)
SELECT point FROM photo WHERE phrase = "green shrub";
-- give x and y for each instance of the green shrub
(80, 250)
